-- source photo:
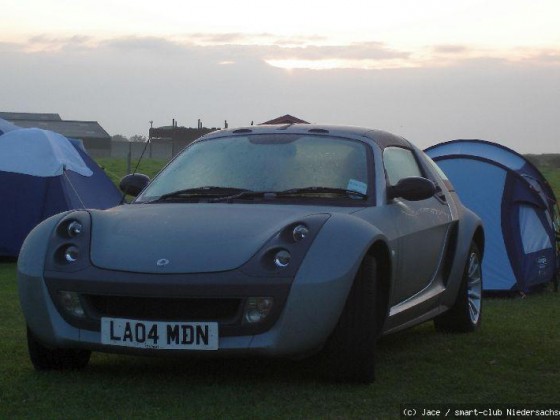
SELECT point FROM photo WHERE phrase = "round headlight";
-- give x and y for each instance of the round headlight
(300, 232)
(253, 316)
(71, 254)
(258, 308)
(74, 229)
(282, 258)
(71, 303)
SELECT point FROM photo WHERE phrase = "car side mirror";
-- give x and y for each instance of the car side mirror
(133, 184)
(414, 188)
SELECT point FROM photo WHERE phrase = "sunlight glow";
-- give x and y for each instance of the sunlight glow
(330, 64)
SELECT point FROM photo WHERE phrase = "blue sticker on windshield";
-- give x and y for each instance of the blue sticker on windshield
(354, 185)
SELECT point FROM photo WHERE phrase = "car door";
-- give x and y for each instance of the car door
(422, 228)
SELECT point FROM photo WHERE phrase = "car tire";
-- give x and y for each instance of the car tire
(350, 350)
(44, 358)
(466, 314)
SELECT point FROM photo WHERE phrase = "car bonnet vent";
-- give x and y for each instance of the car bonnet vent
(242, 131)
(318, 131)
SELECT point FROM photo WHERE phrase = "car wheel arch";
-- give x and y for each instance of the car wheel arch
(361, 320)
(471, 231)
(380, 251)
(479, 239)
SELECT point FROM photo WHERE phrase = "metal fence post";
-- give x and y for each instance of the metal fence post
(129, 158)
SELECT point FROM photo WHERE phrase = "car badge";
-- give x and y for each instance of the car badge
(162, 262)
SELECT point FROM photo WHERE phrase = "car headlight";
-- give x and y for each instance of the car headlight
(70, 302)
(282, 258)
(69, 243)
(71, 253)
(74, 229)
(300, 232)
(283, 253)
(257, 309)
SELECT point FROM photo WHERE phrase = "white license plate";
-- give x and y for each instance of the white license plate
(159, 335)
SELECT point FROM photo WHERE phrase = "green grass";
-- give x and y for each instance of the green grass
(116, 168)
(553, 177)
(512, 359)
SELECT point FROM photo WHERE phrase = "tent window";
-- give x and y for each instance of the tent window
(533, 234)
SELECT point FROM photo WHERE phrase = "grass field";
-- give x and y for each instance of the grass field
(116, 168)
(512, 359)
(553, 177)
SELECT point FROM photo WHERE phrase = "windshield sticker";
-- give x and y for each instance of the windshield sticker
(354, 185)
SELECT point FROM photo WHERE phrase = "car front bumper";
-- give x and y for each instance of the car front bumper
(305, 309)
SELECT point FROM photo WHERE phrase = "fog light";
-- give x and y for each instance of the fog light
(300, 232)
(71, 254)
(257, 309)
(70, 302)
(74, 229)
(282, 258)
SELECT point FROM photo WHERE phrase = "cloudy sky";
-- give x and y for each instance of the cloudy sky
(430, 70)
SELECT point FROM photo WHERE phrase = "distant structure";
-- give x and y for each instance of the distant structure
(95, 138)
(285, 119)
(182, 136)
(179, 136)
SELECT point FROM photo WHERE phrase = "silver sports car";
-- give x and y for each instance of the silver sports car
(283, 241)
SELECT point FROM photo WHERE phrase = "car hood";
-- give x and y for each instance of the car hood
(188, 238)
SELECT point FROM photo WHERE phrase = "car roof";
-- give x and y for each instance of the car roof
(382, 138)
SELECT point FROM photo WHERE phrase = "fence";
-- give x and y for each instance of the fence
(156, 149)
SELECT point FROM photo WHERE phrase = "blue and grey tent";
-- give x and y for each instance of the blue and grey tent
(43, 173)
(6, 126)
(517, 206)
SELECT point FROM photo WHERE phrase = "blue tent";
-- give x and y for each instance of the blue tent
(517, 206)
(43, 173)
(6, 126)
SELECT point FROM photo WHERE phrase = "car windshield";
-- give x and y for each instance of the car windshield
(273, 163)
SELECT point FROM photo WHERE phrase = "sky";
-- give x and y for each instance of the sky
(430, 70)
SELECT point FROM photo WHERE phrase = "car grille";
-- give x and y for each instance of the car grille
(163, 309)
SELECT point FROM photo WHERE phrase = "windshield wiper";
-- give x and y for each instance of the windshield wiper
(307, 191)
(246, 194)
(340, 192)
(198, 192)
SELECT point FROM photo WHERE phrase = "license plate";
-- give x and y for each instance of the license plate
(159, 335)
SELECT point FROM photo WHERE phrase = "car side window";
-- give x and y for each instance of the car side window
(399, 163)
